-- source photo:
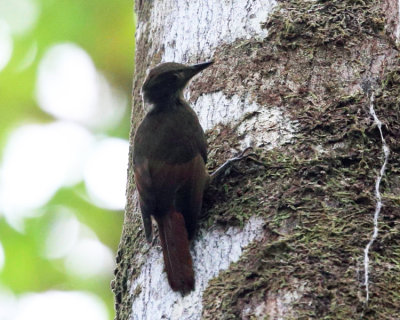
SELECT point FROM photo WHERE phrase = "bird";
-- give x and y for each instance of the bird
(169, 157)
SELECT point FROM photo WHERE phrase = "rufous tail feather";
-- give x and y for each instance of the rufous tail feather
(175, 245)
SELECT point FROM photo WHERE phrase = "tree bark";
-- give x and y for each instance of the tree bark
(298, 231)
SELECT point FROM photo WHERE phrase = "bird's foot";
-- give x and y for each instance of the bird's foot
(229, 163)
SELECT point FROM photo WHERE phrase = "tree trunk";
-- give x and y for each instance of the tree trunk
(298, 232)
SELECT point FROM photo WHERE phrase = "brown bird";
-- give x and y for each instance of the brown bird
(169, 156)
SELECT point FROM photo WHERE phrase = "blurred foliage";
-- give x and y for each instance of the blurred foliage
(106, 31)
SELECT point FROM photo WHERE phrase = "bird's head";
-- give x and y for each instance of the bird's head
(168, 80)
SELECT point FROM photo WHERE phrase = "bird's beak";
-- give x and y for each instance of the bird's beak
(196, 68)
(201, 66)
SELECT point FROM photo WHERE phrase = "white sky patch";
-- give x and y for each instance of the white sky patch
(62, 234)
(84, 255)
(61, 305)
(8, 304)
(70, 88)
(2, 257)
(21, 15)
(67, 82)
(29, 57)
(38, 160)
(6, 44)
(90, 258)
(105, 173)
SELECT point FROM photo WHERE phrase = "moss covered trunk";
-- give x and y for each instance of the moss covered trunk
(297, 81)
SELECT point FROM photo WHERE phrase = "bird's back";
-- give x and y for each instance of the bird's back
(170, 135)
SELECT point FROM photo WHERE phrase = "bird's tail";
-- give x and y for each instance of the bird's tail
(175, 245)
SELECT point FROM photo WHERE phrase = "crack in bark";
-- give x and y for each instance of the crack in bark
(386, 152)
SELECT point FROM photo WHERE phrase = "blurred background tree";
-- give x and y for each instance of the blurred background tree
(65, 84)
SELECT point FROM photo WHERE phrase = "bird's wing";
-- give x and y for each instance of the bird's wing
(146, 201)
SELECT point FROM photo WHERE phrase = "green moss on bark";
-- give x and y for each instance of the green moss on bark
(316, 194)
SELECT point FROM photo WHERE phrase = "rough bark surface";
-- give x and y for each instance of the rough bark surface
(285, 236)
